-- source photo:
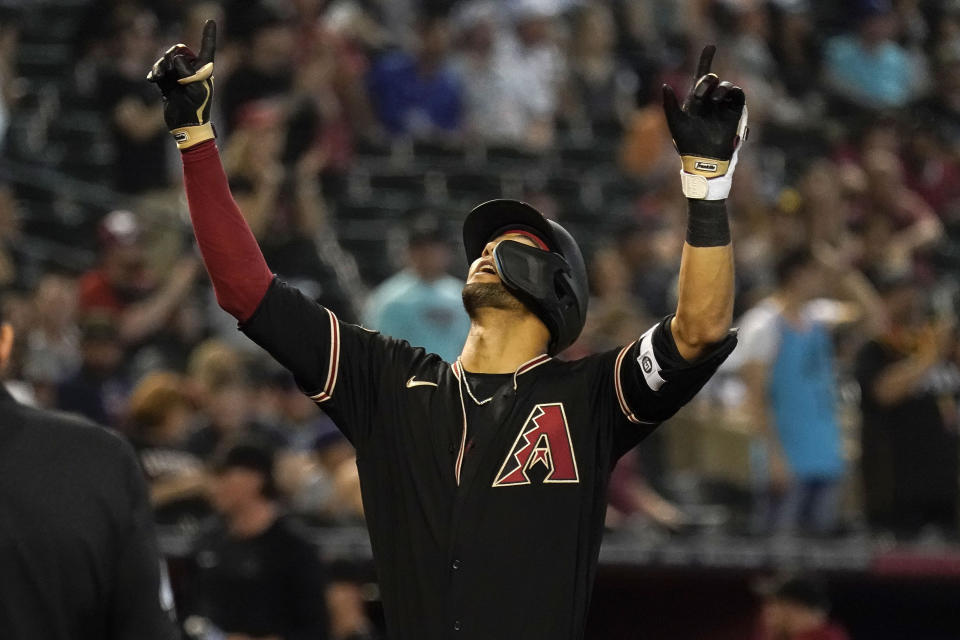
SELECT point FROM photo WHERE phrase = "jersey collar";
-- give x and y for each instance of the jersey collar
(527, 366)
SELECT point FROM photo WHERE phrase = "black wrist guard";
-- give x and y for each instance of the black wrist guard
(707, 224)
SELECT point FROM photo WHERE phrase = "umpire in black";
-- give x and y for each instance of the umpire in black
(78, 557)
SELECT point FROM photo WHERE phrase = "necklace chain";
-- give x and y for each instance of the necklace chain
(466, 383)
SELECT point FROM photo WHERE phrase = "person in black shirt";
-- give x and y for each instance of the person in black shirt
(78, 558)
(256, 574)
(498, 539)
(909, 439)
(136, 131)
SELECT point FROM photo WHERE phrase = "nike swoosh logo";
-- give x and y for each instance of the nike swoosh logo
(413, 382)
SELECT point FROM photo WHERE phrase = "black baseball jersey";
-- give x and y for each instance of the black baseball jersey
(486, 531)
(78, 558)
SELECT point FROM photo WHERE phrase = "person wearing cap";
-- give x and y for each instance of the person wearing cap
(256, 575)
(484, 479)
(797, 608)
(422, 304)
(99, 388)
(120, 285)
(78, 557)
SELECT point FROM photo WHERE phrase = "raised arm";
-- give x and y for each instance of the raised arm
(230, 252)
(707, 131)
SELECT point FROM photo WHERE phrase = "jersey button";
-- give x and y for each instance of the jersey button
(456, 565)
(457, 626)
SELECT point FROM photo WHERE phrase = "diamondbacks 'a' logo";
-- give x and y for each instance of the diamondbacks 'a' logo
(544, 439)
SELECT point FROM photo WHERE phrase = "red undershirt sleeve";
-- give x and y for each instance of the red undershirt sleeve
(230, 253)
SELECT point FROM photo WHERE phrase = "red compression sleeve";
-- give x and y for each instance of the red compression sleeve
(233, 259)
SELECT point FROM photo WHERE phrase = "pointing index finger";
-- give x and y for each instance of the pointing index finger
(706, 59)
(208, 43)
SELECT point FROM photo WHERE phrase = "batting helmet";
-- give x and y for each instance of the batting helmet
(552, 283)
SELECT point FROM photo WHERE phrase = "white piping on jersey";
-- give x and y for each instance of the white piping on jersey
(466, 383)
(457, 368)
(334, 365)
(463, 408)
(529, 365)
(618, 385)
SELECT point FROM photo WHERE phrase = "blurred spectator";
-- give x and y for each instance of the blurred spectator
(940, 112)
(53, 342)
(750, 57)
(512, 77)
(286, 210)
(140, 137)
(264, 71)
(317, 471)
(631, 495)
(825, 209)
(933, 172)
(122, 286)
(909, 384)
(219, 377)
(418, 94)
(422, 303)
(615, 315)
(868, 68)
(797, 608)
(898, 225)
(795, 46)
(651, 269)
(332, 106)
(645, 145)
(257, 574)
(601, 88)
(158, 417)
(786, 359)
(98, 389)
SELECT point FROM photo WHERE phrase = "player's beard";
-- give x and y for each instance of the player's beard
(491, 295)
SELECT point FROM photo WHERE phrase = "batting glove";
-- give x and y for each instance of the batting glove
(707, 131)
(186, 82)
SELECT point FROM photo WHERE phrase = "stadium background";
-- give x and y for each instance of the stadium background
(352, 128)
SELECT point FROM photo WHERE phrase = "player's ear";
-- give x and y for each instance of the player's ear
(6, 344)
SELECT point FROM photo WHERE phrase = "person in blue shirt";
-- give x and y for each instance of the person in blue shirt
(787, 361)
(418, 94)
(422, 303)
(869, 68)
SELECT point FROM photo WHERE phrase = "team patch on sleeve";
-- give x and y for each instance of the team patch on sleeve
(647, 361)
(334, 363)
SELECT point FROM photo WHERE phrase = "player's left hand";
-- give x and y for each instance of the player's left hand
(707, 131)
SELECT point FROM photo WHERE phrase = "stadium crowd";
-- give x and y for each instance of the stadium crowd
(357, 134)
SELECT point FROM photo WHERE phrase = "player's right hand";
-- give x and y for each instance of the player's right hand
(186, 82)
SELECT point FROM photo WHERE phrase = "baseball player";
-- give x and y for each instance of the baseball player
(484, 479)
